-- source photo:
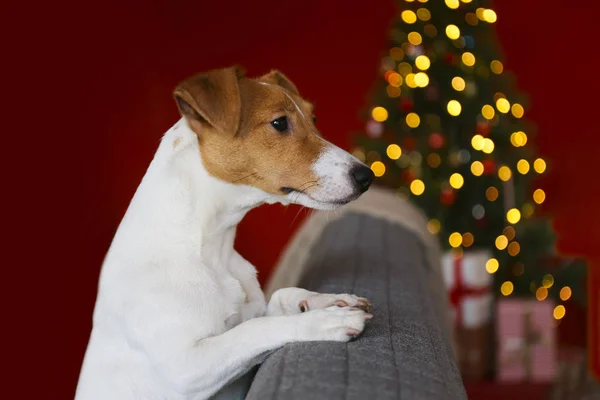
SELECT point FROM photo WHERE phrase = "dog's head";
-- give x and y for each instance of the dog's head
(261, 132)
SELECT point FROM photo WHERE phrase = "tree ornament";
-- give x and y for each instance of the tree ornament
(374, 129)
(436, 141)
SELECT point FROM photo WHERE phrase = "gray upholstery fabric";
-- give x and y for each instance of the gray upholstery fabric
(404, 353)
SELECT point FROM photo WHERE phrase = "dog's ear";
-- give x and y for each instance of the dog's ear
(211, 98)
(280, 79)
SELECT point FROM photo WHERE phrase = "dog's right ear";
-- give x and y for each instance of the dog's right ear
(211, 99)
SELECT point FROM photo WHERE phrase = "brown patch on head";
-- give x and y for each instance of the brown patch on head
(232, 117)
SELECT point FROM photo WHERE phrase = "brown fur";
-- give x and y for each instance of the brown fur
(232, 117)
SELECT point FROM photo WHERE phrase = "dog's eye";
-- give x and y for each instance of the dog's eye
(280, 124)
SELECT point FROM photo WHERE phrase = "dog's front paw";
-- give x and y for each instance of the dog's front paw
(317, 301)
(339, 324)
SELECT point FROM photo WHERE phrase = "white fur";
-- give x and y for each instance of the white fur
(179, 312)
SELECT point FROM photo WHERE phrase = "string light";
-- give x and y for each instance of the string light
(454, 108)
(455, 239)
(504, 173)
(379, 114)
(541, 293)
(491, 193)
(496, 67)
(477, 168)
(456, 180)
(548, 281)
(539, 196)
(378, 168)
(501, 242)
(394, 151)
(488, 112)
(477, 142)
(517, 110)
(395, 79)
(518, 139)
(458, 84)
(434, 160)
(488, 146)
(559, 312)
(509, 232)
(565, 293)
(507, 288)
(421, 79)
(513, 215)
(467, 239)
(409, 16)
(404, 68)
(413, 120)
(539, 165)
(453, 4)
(433, 226)
(410, 81)
(423, 14)
(490, 16)
(479, 13)
(417, 187)
(452, 32)
(422, 62)
(492, 265)
(523, 166)
(503, 105)
(514, 248)
(468, 59)
(415, 38)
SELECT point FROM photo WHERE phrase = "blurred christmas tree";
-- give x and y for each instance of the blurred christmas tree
(446, 128)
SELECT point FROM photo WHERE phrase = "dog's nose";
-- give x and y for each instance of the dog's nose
(363, 176)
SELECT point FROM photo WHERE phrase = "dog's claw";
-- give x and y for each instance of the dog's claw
(341, 303)
(303, 306)
(352, 332)
(364, 304)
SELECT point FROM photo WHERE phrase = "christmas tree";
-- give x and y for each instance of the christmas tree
(446, 127)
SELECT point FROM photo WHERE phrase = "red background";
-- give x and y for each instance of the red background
(119, 61)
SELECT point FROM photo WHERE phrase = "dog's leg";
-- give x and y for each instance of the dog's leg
(213, 362)
(291, 301)
(245, 272)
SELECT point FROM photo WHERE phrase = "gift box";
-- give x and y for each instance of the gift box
(526, 339)
(469, 290)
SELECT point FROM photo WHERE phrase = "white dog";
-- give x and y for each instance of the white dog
(179, 312)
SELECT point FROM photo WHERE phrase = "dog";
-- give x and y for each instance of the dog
(179, 313)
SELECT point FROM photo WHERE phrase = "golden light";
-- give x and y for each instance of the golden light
(393, 91)
(468, 59)
(513, 215)
(488, 111)
(434, 160)
(503, 105)
(413, 120)
(523, 166)
(509, 232)
(466, 1)
(496, 67)
(409, 16)
(501, 242)
(379, 114)
(541, 293)
(477, 142)
(452, 32)
(517, 110)
(456, 180)
(488, 146)
(514, 248)
(559, 312)
(458, 84)
(491, 193)
(492, 265)
(433, 226)
(422, 62)
(396, 53)
(421, 79)
(395, 79)
(417, 187)
(423, 14)
(410, 81)
(504, 173)
(454, 108)
(565, 293)
(479, 13)
(415, 38)
(404, 68)
(378, 168)
(548, 281)
(527, 210)
(539, 165)
(455, 239)
(507, 288)
(453, 4)
(467, 239)
(394, 151)
(539, 196)
(518, 139)
(490, 16)
(477, 168)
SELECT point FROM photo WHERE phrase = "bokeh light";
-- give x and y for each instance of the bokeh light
(477, 168)
(394, 151)
(417, 187)
(458, 84)
(488, 112)
(454, 108)
(378, 168)
(559, 311)
(503, 105)
(539, 196)
(565, 293)
(504, 173)
(422, 62)
(491, 193)
(507, 288)
(501, 242)
(456, 180)
(455, 239)
(517, 110)
(433, 226)
(409, 16)
(539, 165)
(452, 32)
(492, 265)
(523, 166)
(413, 120)
(379, 114)
(513, 215)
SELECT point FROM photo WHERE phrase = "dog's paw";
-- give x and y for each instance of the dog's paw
(323, 300)
(339, 324)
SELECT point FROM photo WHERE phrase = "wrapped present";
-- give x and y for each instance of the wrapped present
(469, 290)
(526, 336)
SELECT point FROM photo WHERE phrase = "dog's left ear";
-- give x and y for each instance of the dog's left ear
(280, 79)
(211, 99)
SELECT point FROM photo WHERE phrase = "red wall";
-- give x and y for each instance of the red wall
(127, 57)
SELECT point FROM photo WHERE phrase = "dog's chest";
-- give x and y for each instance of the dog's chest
(233, 300)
